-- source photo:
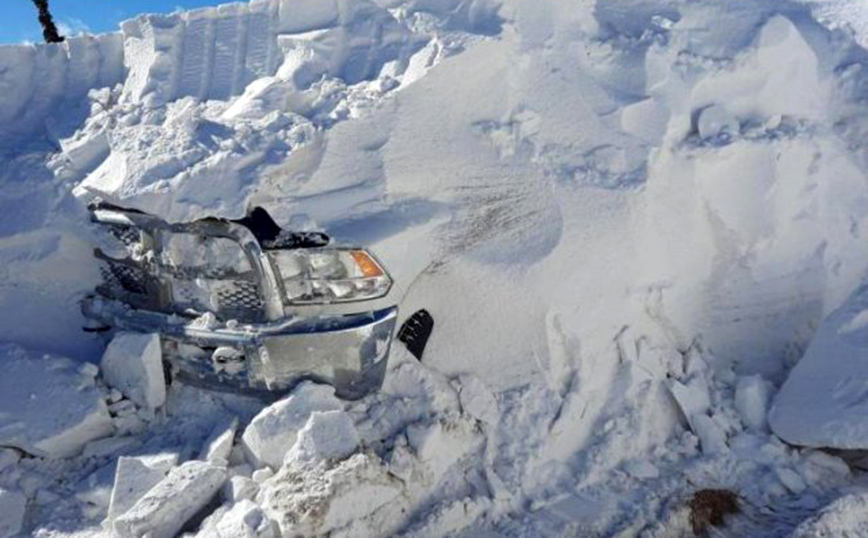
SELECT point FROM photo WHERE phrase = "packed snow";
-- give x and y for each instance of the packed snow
(639, 226)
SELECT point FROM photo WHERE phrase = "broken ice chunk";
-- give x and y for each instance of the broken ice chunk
(327, 435)
(711, 437)
(133, 364)
(12, 507)
(752, 396)
(273, 431)
(166, 507)
(218, 446)
(240, 487)
(477, 400)
(693, 398)
(319, 499)
(45, 413)
(133, 479)
(243, 520)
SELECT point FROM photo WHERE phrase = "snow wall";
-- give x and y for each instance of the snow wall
(36, 79)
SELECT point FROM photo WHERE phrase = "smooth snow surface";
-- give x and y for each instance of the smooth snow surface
(133, 364)
(627, 217)
(50, 408)
(825, 400)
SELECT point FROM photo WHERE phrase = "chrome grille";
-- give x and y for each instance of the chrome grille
(124, 277)
(239, 299)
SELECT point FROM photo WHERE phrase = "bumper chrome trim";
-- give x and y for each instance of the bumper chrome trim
(348, 352)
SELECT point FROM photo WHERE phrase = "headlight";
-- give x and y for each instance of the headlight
(328, 275)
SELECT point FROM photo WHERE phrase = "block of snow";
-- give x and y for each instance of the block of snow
(715, 122)
(752, 396)
(693, 398)
(791, 480)
(166, 507)
(327, 435)
(133, 364)
(218, 446)
(133, 478)
(240, 487)
(245, 519)
(477, 400)
(45, 410)
(261, 475)
(824, 401)
(711, 437)
(273, 431)
(317, 499)
(12, 507)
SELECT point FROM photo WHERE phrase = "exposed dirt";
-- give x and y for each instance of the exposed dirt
(709, 507)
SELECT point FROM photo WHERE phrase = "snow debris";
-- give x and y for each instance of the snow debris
(326, 497)
(716, 123)
(271, 434)
(12, 507)
(8, 458)
(440, 444)
(477, 400)
(168, 505)
(842, 518)
(240, 487)
(46, 411)
(752, 399)
(133, 364)
(327, 435)
(244, 519)
(134, 477)
(218, 446)
(261, 475)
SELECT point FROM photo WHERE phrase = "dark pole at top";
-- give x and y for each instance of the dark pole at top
(49, 30)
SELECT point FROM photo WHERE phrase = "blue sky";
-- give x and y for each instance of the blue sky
(19, 16)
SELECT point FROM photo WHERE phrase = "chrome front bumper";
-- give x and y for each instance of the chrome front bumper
(348, 351)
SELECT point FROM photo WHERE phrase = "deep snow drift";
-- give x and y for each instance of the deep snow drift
(628, 218)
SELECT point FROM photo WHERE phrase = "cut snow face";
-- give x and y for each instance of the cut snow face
(824, 400)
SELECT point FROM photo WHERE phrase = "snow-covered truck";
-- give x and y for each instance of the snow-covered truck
(247, 306)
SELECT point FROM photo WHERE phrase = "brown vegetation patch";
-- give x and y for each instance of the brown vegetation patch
(709, 507)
